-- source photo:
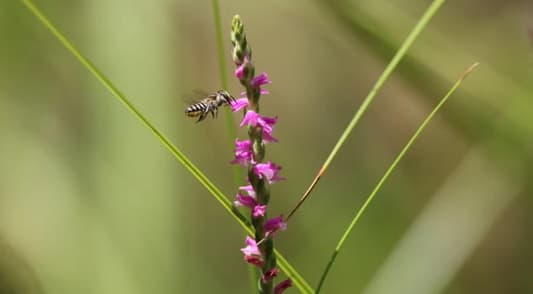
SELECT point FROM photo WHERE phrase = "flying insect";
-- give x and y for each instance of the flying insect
(209, 104)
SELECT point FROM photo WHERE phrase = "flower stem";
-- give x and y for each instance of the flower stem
(242, 55)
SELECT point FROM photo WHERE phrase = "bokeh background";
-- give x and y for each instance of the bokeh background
(91, 202)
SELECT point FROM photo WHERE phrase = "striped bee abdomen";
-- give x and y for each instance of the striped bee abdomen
(195, 109)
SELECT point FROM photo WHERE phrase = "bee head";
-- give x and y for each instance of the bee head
(225, 97)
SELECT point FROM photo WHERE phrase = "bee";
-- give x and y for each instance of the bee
(209, 104)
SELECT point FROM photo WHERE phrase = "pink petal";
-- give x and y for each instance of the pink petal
(239, 104)
(243, 152)
(268, 170)
(269, 275)
(260, 80)
(259, 210)
(248, 189)
(267, 124)
(274, 224)
(267, 137)
(255, 260)
(282, 286)
(250, 118)
(270, 120)
(239, 72)
(251, 248)
(246, 201)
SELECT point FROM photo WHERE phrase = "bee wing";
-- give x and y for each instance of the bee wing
(188, 99)
(200, 93)
(197, 96)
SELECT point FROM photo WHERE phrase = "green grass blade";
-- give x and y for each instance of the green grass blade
(220, 44)
(419, 27)
(387, 174)
(284, 265)
(230, 121)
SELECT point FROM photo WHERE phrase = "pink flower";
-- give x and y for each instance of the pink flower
(251, 252)
(255, 260)
(268, 276)
(248, 189)
(253, 119)
(239, 72)
(243, 152)
(251, 248)
(274, 224)
(260, 80)
(282, 286)
(268, 170)
(259, 210)
(246, 201)
(239, 104)
(267, 123)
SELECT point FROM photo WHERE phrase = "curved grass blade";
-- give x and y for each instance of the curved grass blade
(284, 265)
(419, 27)
(387, 174)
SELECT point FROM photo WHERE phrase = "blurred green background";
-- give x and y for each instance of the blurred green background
(90, 201)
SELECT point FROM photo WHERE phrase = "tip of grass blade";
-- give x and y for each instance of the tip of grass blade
(469, 70)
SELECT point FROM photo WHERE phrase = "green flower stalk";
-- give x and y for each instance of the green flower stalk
(250, 154)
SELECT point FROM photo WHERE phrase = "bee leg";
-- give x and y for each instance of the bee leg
(203, 115)
(214, 113)
(200, 118)
(206, 112)
(209, 109)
